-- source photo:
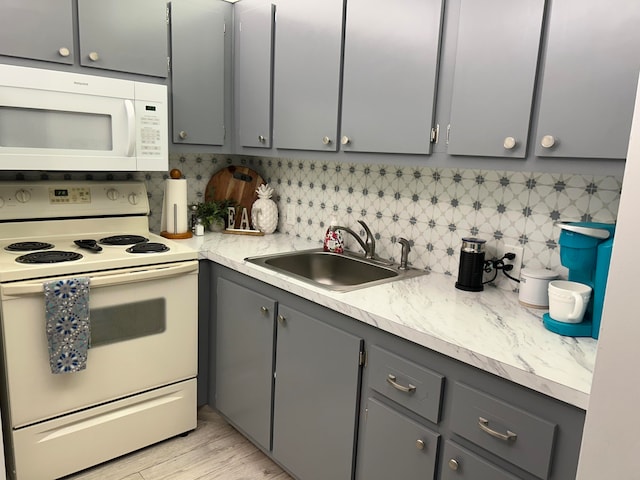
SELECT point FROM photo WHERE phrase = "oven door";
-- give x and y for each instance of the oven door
(143, 333)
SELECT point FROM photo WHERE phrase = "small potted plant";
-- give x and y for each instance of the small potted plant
(213, 214)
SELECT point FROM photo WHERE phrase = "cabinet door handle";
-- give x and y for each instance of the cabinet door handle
(281, 319)
(326, 140)
(393, 381)
(454, 464)
(509, 143)
(420, 444)
(182, 134)
(261, 138)
(483, 423)
(64, 52)
(264, 310)
(94, 57)
(548, 141)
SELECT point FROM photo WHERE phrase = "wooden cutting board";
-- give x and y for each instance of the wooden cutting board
(236, 183)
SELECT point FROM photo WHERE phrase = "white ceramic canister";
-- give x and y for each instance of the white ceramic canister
(534, 287)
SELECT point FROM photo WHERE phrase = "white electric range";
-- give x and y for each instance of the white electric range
(138, 381)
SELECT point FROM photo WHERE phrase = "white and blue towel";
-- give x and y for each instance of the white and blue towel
(67, 323)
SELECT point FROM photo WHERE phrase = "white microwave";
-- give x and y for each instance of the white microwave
(51, 120)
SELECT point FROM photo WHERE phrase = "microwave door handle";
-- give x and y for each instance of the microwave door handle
(131, 126)
(109, 279)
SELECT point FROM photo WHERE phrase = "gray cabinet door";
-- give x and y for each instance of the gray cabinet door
(316, 395)
(37, 29)
(394, 446)
(390, 70)
(307, 74)
(123, 35)
(198, 71)
(461, 464)
(244, 359)
(589, 79)
(253, 75)
(495, 71)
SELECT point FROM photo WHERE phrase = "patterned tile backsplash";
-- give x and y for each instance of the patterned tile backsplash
(432, 207)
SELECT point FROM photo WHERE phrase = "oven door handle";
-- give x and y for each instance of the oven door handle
(107, 279)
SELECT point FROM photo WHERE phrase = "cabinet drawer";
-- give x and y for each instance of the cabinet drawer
(460, 464)
(412, 386)
(509, 432)
(411, 454)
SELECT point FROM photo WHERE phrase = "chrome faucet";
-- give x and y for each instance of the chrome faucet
(368, 245)
(404, 256)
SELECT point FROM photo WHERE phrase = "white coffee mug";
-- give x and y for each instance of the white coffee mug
(568, 300)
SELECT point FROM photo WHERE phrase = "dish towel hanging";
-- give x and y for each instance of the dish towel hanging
(67, 323)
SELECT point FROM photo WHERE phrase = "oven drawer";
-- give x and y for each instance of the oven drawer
(412, 386)
(78, 441)
(505, 430)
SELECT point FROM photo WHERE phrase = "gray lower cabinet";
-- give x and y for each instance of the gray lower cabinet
(198, 32)
(461, 464)
(412, 453)
(37, 29)
(244, 359)
(329, 397)
(316, 397)
(253, 55)
(287, 377)
(589, 79)
(307, 74)
(495, 70)
(390, 70)
(124, 36)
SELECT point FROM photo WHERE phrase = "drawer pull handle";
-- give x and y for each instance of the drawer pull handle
(393, 381)
(483, 423)
(264, 310)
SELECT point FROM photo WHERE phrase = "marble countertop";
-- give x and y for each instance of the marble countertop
(489, 330)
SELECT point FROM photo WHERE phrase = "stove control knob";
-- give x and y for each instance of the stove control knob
(112, 194)
(23, 196)
(133, 199)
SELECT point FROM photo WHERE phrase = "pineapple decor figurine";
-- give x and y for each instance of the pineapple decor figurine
(264, 212)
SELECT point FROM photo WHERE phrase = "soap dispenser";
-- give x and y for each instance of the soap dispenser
(333, 241)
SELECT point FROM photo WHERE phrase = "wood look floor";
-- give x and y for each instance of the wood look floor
(214, 450)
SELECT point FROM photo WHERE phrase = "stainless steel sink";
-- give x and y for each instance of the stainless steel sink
(338, 272)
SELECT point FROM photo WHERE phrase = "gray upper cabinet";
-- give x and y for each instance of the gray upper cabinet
(589, 79)
(254, 74)
(315, 398)
(495, 70)
(124, 36)
(37, 29)
(198, 71)
(307, 74)
(390, 71)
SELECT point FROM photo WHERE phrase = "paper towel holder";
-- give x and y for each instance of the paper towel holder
(174, 174)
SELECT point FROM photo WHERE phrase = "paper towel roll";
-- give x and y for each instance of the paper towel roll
(175, 219)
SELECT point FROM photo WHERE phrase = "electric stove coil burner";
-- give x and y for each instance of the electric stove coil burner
(49, 256)
(123, 240)
(28, 246)
(148, 247)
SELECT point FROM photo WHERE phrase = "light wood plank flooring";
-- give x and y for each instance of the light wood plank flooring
(215, 450)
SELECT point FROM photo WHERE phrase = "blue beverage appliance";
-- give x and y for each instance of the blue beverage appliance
(585, 249)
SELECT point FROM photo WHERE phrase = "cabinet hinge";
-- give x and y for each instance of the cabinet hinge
(168, 64)
(168, 15)
(435, 132)
(224, 28)
(362, 358)
(448, 133)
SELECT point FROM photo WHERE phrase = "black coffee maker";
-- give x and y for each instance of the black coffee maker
(471, 265)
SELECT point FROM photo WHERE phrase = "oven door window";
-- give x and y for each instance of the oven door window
(119, 323)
